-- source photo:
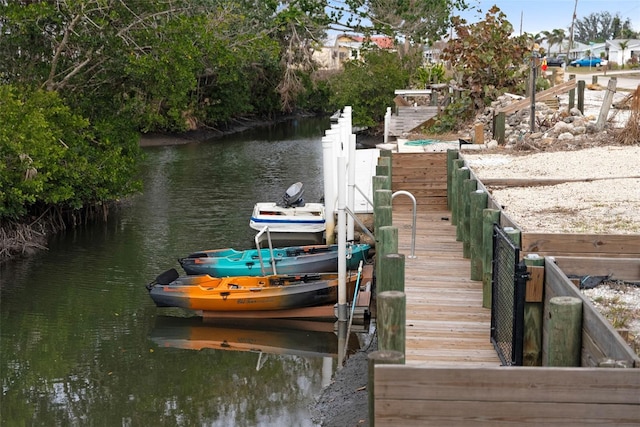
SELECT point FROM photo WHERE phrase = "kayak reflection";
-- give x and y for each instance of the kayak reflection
(274, 336)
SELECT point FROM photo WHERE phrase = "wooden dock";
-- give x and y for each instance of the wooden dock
(446, 323)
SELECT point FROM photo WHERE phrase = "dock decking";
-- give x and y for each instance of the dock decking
(446, 323)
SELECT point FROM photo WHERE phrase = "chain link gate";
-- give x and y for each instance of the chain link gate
(508, 286)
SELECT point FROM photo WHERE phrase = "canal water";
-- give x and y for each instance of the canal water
(81, 342)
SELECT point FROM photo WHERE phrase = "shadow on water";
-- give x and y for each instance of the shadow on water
(82, 342)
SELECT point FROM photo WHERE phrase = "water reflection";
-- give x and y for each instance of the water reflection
(272, 336)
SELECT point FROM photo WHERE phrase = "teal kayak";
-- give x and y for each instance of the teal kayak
(288, 260)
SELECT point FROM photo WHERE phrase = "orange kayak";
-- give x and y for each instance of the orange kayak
(247, 293)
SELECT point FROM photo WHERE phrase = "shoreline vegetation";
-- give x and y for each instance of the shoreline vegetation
(29, 235)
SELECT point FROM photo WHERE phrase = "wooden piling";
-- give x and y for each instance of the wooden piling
(382, 198)
(489, 217)
(581, 86)
(459, 177)
(457, 165)
(382, 215)
(379, 357)
(386, 243)
(386, 160)
(451, 156)
(382, 170)
(468, 187)
(380, 182)
(514, 234)
(478, 133)
(606, 103)
(391, 273)
(564, 332)
(499, 128)
(572, 94)
(479, 199)
(391, 321)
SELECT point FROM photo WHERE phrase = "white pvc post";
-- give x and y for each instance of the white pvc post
(342, 248)
(351, 189)
(387, 124)
(329, 188)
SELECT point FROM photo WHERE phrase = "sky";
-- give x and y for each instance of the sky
(544, 15)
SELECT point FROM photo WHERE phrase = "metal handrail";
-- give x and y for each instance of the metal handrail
(363, 195)
(257, 240)
(360, 223)
(413, 233)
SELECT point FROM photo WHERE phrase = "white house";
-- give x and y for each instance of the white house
(617, 55)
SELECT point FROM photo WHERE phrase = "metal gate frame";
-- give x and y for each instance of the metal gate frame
(508, 287)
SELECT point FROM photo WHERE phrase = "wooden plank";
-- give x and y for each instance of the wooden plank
(462, 412)
(540, 96)
(522, 384)
(446, 395)
(577, 243)
(535, 284)
(618, 268)
(539, 182)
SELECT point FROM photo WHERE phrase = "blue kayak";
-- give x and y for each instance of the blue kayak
(290, 260)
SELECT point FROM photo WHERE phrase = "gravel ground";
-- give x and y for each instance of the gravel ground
(344, 402)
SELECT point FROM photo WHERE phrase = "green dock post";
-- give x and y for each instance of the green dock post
(391, 320)
(489, 217)
(458, 178)
(386, 243)
(468, 187)
(479, 200)
(581, 86)
(382, 198)
(451, 156)
(391, 273)
(564, 332)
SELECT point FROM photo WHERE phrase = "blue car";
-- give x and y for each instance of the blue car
(587, 61)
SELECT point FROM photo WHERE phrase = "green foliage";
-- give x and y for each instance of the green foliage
(602, 26)
(429, 74)
(51, 156)
(485, 57)
(368, 86)
(453, 115)
(417, 21)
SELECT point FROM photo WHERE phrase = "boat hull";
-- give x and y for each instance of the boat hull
(294, 225)
(245, 293)
(288, 260)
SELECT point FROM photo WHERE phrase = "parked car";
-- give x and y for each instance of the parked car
(555, 62)
(587, 61)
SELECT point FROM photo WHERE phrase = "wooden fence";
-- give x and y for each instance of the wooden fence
(525, 396)
(422, 174)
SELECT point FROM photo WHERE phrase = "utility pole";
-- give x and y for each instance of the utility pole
(573, 21)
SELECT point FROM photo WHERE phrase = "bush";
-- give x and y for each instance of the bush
(50, 156)
(368, 86)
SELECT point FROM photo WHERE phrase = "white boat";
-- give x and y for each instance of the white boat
(291, 221)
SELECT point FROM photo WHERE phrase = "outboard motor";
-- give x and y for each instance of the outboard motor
(293, 196)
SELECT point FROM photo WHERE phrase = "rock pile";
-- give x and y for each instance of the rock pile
(551, 124)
